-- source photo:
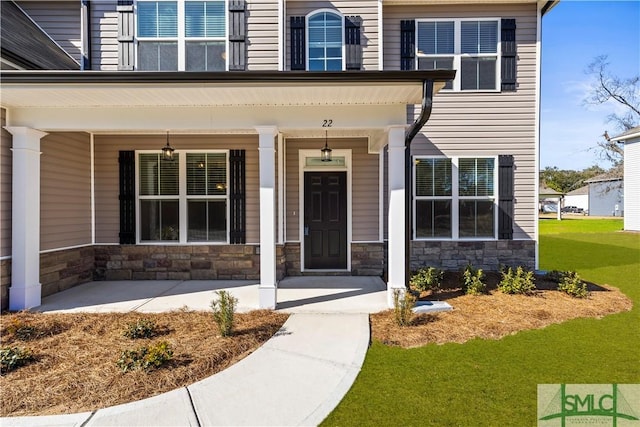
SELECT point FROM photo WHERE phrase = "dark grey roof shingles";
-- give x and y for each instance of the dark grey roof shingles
(25, 44)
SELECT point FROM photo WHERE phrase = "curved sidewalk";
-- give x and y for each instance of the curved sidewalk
(296, 378)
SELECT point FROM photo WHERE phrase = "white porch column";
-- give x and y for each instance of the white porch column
(268, 286)
(396, 212)
(25, 251)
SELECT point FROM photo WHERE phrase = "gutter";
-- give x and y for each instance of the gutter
(547, 7)
(221, 77)
(86, 34)
(425, 113)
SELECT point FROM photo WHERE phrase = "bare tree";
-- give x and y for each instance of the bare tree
(624, 91)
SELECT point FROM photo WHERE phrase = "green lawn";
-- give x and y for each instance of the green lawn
(495, 382)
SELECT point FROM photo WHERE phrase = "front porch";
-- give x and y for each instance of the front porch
(328, 294)
(254, 137)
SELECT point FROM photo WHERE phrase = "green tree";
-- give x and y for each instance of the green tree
(568, 180)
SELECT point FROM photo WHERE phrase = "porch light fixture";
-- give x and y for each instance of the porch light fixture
(325, 151)
(167, 150)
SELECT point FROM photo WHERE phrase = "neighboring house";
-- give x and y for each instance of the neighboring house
(550, 200)
(606, 195)
(578, 198)
(631, 140)
(248, 93)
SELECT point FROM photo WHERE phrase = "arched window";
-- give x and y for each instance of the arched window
(324, 46)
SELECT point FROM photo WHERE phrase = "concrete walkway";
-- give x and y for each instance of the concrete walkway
(296, 378)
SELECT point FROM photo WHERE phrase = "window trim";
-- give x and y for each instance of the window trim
(306, 35)
(457, 55)
(456, 198)
(182, 38)
(183, 199)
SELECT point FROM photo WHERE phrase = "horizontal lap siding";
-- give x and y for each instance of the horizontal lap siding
(262, 34)
(6, 172)
(482, 123)
(65, 190)
(107, 179)
(60, 20)
(364, 181)
(368, 10)
(104, 35)
(632, 186)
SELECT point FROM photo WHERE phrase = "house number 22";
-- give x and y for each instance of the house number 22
(327, 123)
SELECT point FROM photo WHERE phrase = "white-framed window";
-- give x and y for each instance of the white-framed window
(471, 46)
(325, 39)
(455, 198)
(182, 35)
(185, 200)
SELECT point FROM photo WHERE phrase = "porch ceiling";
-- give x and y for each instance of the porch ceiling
(229, 89)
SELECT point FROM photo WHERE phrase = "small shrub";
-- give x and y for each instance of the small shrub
(571, 284)
(223, 310)
(402, 305)
(429, 278)
(145, 358)
(13, 357)
(23, 331)
(519, 281)
(555, 275)
(141, 328)
(472, 281)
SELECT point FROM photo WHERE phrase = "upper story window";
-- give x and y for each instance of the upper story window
(324, 41)
(467, 45)
(181, 35)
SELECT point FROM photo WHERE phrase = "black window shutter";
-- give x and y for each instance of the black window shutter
(509, 55)
(127, 160)
(505, 197)
(237, 36)
(298, 46)
(126, 32)
(408, 45)
(237, 194)
(353, 48)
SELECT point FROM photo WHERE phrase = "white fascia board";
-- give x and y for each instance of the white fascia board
(206, 119)
(634, 137)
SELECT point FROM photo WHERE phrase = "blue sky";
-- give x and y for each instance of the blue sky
(573, 34)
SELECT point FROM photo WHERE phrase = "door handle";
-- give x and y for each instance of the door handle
(306, 230)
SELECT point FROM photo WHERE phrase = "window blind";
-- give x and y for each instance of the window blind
(479, 37)
(433, 177)
(157, 19)
(205, 19)
(436, 38)
(475, 177)
(206, 174)
(158, 177)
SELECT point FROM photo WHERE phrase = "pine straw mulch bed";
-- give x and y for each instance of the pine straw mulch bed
(494, 315)
(75, 368)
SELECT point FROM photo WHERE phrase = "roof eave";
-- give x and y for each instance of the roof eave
(155, 77)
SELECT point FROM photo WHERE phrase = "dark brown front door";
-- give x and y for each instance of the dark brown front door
(325, 220)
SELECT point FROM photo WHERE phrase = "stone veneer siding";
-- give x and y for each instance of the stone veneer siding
(281, 262)
(160, 262)
(488, 255)
(367, 259)
(61, 270)
(5, 282)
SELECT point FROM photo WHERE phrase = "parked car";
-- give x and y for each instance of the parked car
(572, 209)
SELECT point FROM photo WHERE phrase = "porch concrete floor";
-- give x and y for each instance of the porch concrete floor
(316, 294)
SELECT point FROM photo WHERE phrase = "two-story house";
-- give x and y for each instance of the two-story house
(258, 139)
